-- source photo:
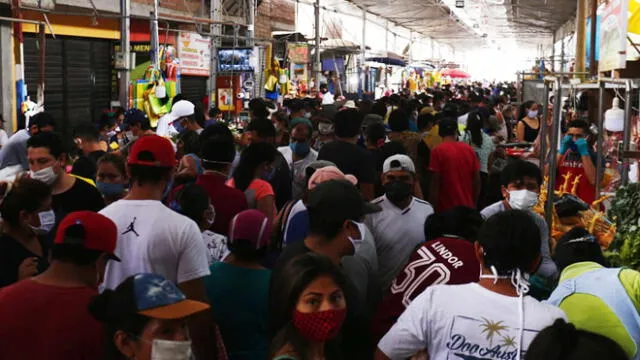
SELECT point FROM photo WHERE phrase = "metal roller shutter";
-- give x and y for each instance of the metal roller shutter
(54, 78)
(77, 78)
(193, 88)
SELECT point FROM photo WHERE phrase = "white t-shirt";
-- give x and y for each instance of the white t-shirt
(3, 137)
(396, 232)
(298, 169)
(154, 239)
(466, 322)
(217, 246)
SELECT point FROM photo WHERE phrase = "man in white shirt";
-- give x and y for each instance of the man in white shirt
(399, 227)
(299, 154)
(154, 239)
(490, 319)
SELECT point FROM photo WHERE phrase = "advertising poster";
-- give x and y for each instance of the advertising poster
(613, 35)
(195, 54)
(225, 99)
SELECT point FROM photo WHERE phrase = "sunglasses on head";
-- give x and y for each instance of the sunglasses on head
(588, 239)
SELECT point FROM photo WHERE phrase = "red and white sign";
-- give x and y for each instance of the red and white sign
(194, 52)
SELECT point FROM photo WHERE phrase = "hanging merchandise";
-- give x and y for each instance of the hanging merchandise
(614, 117)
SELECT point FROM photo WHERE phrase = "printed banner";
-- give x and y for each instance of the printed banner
(613, 35)
(195, 54)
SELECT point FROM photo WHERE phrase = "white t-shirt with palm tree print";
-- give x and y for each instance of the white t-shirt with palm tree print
(466, 322)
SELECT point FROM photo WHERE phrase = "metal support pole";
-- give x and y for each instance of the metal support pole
(155, 38)
(543, 126)
(251, 26)
(581, 25)
(125, 48)
(599, 150)
(562, 52)
(553, 53)
(555, 129)
(593, 69)
(42, 39)
(363, 47)
(216, 30)
(626, 140)
(386, 48)
(317, 68)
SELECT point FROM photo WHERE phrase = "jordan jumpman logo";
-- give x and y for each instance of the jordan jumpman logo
(131, 228)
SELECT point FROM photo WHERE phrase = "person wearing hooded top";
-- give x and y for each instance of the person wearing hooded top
(299, 154)
(448, 257)
(521, 182)
(595, 297)
(491, 319)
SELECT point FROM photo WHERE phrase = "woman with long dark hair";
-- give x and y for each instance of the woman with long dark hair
(313, 307)
(483, 145)
(26, 214)
(528, 122)
(256, 163)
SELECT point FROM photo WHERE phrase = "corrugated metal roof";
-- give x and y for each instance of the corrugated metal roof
(526, 21)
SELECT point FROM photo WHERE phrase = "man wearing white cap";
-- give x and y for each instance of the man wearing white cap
(171, 124)
(399, 227)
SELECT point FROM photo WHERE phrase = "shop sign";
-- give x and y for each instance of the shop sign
(298, 53)
(613, 35)
(195, 54)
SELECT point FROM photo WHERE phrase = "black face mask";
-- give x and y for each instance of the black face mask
(397, 191)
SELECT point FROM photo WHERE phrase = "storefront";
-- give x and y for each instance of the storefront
(77, 69)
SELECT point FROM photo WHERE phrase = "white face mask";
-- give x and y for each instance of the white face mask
(130, 136)
(532, 114)
(522, 199)
(357, 242)
(170, 350)
(46, 175)
(520, 282)
(47, 222)
(210, 219)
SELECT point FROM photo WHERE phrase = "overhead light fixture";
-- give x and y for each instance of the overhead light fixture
(460, 4)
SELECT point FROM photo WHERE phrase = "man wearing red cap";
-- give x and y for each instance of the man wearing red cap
(151, 237)
(46, 316)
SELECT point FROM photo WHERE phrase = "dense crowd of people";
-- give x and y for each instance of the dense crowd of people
(392, 229)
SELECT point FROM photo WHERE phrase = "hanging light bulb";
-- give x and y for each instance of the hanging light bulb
(614, 117)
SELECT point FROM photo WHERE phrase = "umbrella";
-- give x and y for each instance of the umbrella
(455, 74)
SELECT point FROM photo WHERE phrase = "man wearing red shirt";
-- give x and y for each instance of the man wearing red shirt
(217, 156)
(46, 317)
(448, 257)
(576, 162)
(455, 169)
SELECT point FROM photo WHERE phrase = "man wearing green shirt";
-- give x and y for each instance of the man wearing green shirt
(597, 299)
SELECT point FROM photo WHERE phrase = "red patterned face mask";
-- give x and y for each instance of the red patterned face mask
(319, 326)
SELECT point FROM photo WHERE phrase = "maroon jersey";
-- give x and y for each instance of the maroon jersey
(439, 261)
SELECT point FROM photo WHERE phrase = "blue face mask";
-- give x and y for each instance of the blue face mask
(110, 189)
(270, 175)
(301, 149)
